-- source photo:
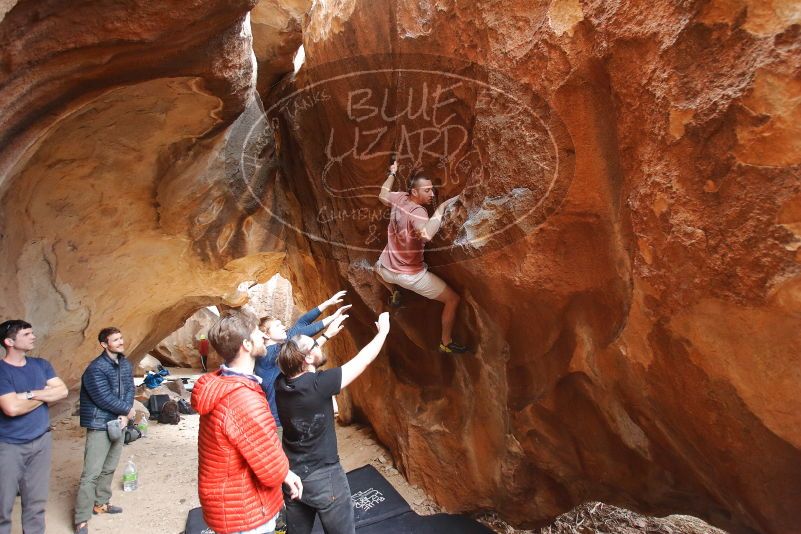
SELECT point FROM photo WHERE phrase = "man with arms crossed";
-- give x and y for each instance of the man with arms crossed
(107, 394)
(401, 262)
(240, 462)
(304, 396)
(27, 386)
(277, 334)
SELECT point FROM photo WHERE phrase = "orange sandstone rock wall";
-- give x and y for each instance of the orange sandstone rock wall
(627, 245)
(127, 175)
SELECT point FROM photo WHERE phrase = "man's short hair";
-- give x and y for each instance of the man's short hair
(266, 320)
(106, 333)
(230, 330)
(10, 329)
(291, 359)
(414, 181)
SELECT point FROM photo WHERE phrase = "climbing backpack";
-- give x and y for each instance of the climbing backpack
(185, 408)
(169, 413)
(155, 404)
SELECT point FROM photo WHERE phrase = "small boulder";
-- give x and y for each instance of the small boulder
(140, 408)
(148, 363)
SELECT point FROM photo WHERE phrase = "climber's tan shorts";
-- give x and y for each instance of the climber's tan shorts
(424, 283)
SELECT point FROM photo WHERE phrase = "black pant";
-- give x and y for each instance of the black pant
(325, 492)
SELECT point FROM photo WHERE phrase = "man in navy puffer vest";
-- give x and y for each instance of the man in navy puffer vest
(107, 394)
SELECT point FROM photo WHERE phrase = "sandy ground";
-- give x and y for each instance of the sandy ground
(167, 464)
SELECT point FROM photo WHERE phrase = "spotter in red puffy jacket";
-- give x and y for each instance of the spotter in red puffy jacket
(241, 464)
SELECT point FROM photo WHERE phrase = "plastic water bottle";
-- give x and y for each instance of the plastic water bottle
(130, 479)
(142, 426)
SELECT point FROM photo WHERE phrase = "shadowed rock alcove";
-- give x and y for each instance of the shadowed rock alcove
(626, 244)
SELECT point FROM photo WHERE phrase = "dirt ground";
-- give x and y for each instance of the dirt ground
(166, 461)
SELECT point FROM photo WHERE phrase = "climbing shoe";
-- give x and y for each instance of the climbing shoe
(452, 348)
(107, 508)
(82, 528)
(395, 299)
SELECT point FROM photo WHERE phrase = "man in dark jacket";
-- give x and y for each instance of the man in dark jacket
(276, 334)
(107, 393)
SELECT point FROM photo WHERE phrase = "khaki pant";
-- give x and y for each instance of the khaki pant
(423, 283)
(100, 459)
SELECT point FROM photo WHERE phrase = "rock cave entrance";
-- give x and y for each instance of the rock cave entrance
(180, 348)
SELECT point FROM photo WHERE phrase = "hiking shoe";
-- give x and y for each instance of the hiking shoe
(395, 299)
(107, 508)
(82, 528)
(452, 348)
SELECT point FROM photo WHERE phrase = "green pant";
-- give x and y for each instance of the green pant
(100, 459)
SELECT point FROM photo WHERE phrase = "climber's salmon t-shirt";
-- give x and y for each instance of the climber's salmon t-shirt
(404, 250)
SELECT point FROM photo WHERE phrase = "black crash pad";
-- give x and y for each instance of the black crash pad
(378, 509)
(195, 523)
(374, 498)
(411, 523)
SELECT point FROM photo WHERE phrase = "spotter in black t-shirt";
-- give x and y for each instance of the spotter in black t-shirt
(304, 404)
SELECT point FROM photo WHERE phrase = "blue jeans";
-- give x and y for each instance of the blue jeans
(325, 492)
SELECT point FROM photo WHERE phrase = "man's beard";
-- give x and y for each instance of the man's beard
(322, 360)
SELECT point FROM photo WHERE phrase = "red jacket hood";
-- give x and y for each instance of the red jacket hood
(211, 388)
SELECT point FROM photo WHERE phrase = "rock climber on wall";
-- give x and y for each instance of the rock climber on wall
(401, 262)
